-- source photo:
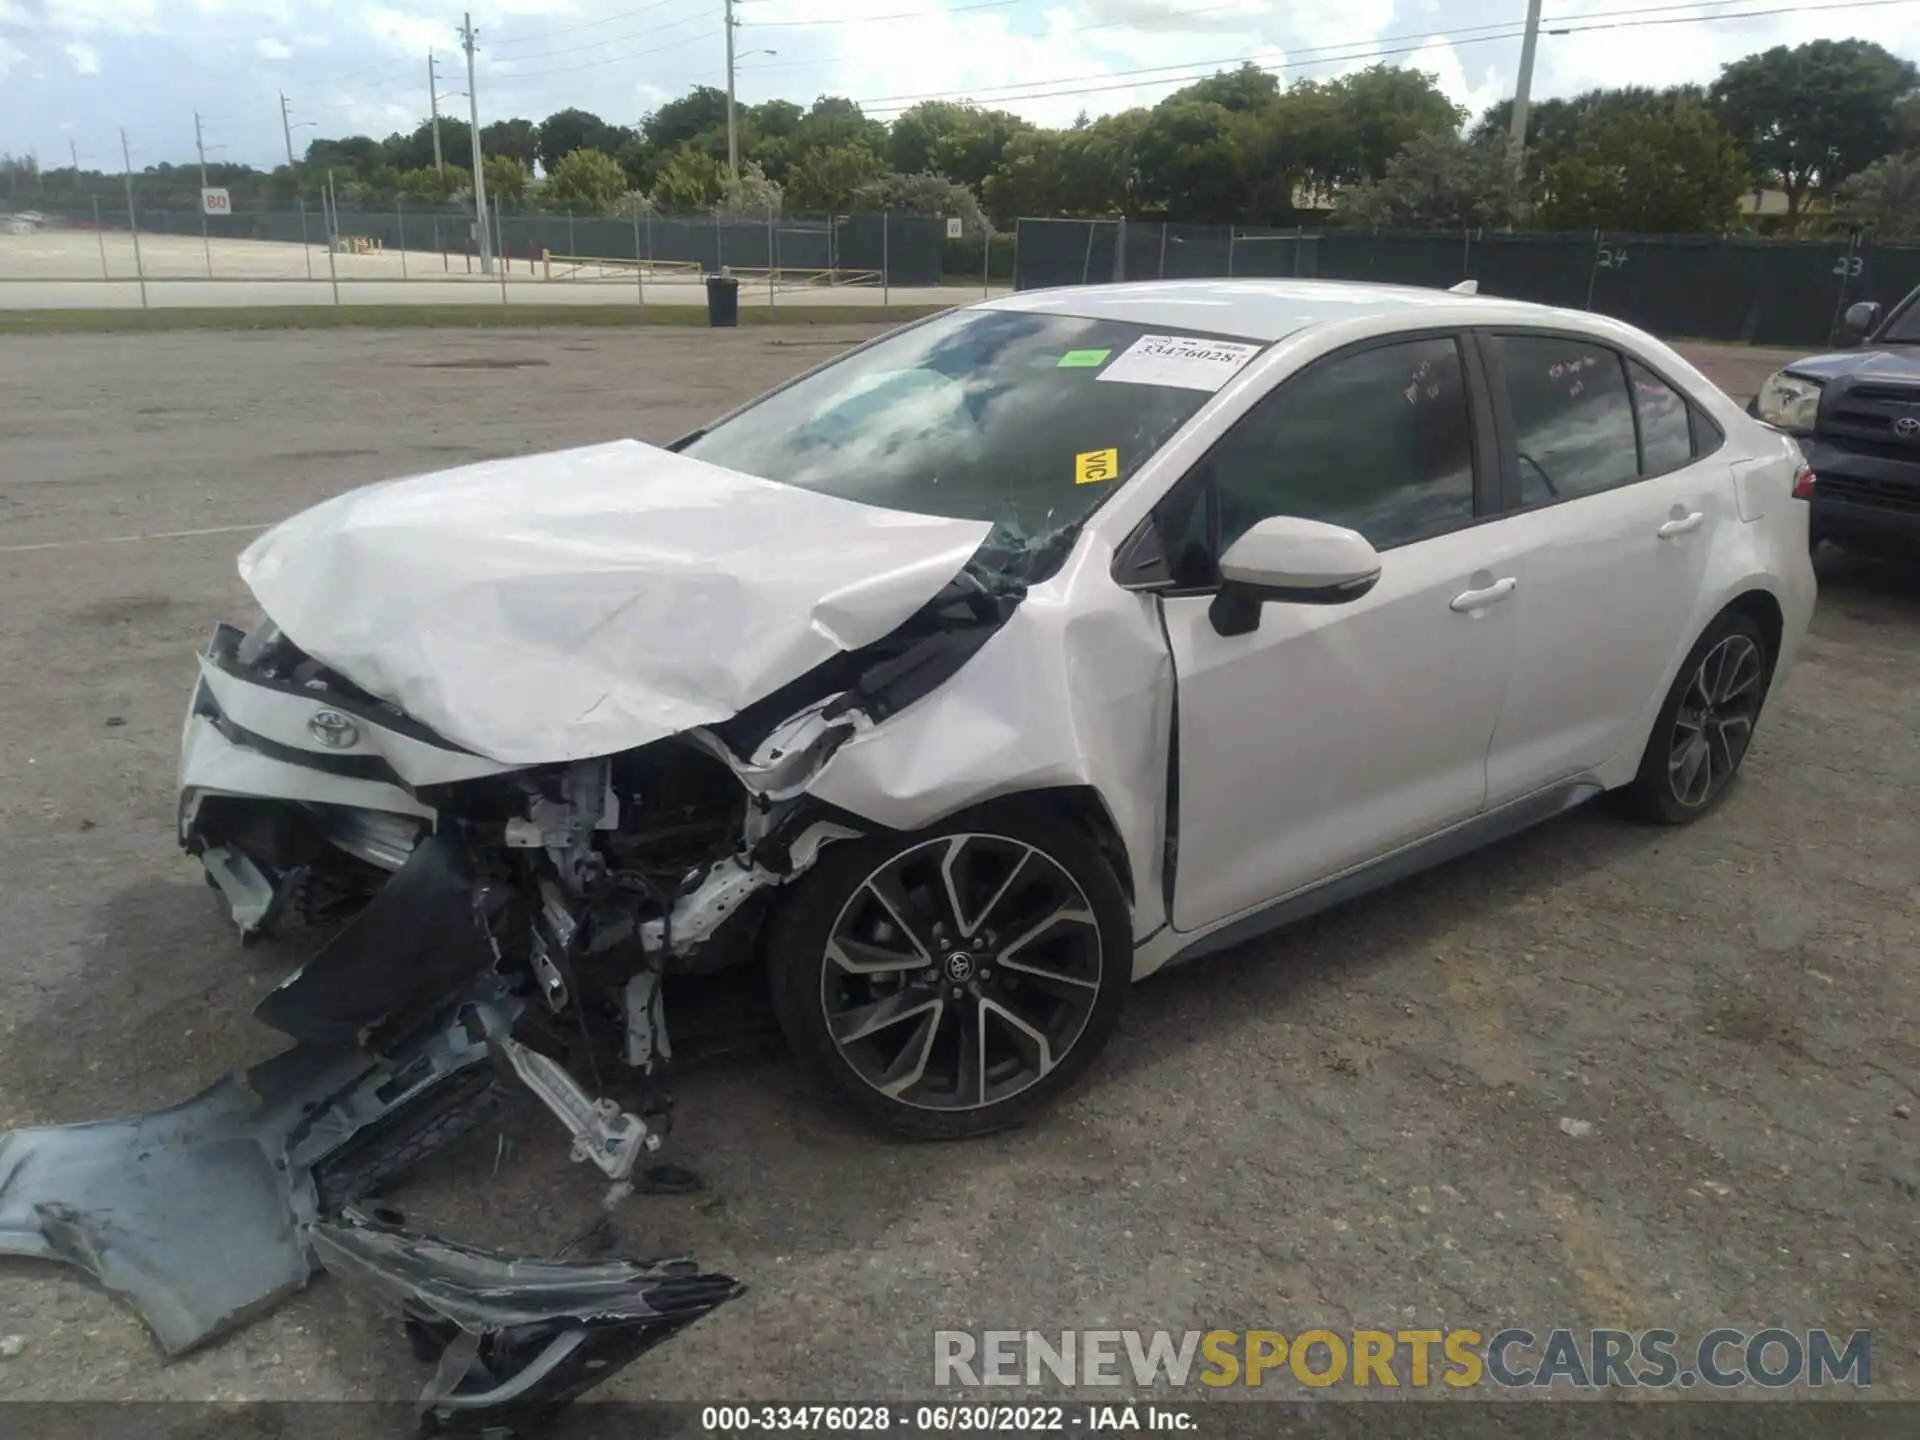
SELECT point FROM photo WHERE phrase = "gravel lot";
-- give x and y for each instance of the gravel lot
(1357, 1122)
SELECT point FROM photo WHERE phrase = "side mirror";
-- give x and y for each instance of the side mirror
(1861, 320)
(1294, 561)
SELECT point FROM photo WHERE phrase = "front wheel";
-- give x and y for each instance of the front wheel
(1703, 730)
(951, 981)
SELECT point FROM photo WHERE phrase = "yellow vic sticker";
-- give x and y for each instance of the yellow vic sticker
(1092, 466)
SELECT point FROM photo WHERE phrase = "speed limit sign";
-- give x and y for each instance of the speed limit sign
(215, 202)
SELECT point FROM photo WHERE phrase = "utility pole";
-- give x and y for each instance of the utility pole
(200, 146)
(479, 179)
(733, 135)
(133, 216)
(433, 102)
(1522, 93)
(73, 149)
(286, 128)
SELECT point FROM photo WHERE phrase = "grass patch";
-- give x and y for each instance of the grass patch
(435, 317)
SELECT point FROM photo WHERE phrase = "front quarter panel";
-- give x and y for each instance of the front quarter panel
(1075, 689)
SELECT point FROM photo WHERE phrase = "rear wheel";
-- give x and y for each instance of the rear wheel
(950, 982)
(1703, 730)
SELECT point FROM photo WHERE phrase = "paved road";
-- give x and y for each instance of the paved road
(1357, 1122)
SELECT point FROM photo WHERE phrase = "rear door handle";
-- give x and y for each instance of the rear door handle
(1480, 599)
(1681, 526)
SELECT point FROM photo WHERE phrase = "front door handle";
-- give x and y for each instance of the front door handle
(1480, 599)
(1682, 525)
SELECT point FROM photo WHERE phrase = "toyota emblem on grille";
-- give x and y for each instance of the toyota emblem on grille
(333, 730)
(1907, 428)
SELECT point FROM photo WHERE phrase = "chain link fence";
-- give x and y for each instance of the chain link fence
(364, 245)
(1788, 293)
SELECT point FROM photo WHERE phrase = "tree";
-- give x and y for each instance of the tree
(1884, 198)
(1383, 107)
(508, 179)
(1190, 159)
(511, 139)
(922, 194)
(1810, 115)
(1248, 88)
(686, 181)
(358, 156)
(1667, 170)
(681, 122)
(834, 122)
(826, 179)
(1436, 182)
(751, 195)
(588, 180)
(566, 131)
(960, 141)
(414, 151)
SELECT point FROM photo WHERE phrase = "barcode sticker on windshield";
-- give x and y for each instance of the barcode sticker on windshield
(1181, 361)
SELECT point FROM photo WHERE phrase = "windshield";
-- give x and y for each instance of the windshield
(1904, 328)
(1026, 421)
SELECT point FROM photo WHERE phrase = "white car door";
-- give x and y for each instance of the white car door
(1619, 500)
(1335, 733)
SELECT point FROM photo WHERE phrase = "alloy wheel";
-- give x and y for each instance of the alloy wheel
(1714, 724)
(961, 972)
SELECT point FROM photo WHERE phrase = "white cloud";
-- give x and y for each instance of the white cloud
(86, 59)
(10, 56)
(271, 49)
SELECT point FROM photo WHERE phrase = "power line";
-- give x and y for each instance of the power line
(603, 41)
(1361, 48)
(1140, 23)
(506, 77)
(584, 25)
(1384, 52)
(875, 19)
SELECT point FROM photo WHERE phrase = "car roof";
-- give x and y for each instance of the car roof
(1263, 309)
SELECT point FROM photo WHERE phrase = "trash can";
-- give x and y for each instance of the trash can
(723, 301)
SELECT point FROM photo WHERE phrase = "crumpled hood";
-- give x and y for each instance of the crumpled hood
(556, 607)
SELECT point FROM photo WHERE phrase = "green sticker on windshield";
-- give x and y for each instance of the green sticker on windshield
(1083, 359)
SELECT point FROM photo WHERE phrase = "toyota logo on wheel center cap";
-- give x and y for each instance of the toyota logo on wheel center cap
(959, 966)
(333, 730)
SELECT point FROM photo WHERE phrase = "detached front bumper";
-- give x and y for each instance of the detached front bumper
(285, 769)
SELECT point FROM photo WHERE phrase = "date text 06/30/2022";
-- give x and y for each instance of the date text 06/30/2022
(944, 1419)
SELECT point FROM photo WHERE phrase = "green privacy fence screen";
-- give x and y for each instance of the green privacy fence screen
(1789, 293)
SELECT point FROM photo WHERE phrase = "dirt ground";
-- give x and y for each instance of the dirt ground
(1357, 1122)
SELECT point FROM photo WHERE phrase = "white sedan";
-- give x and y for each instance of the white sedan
(987, 668)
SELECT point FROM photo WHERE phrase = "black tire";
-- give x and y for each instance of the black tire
(1070, 983)
(1668, 789)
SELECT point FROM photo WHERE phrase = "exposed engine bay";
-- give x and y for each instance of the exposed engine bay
(513, 928)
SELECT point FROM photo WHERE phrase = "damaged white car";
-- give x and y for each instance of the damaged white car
(959, 683)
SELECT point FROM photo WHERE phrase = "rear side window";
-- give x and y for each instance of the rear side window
(1666, 433)
(1379, 440)
(1572, 416)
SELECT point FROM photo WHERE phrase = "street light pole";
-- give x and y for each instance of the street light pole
(433, 104)
(479, 179)
(1522, 94)
(733, 134)
(200, 146)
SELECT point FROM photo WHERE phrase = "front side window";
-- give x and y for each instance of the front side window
(1378, 440)
(1025, 420)
(1572, 418)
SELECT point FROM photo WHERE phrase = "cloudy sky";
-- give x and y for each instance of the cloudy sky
(72, 72)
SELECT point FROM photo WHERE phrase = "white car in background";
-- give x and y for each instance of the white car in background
(1000, 662)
